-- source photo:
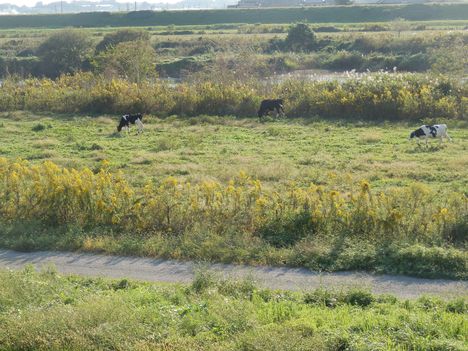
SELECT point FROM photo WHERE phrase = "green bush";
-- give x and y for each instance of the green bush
(123, 35)
(428, 261)
(359, 298)
(64, 52)
(300, 38)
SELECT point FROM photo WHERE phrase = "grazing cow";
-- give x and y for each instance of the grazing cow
(126, 120)
(268, 106)
(426, 132)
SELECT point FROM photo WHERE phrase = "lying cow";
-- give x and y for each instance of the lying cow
(126, 120)
(425, 132)
(269, 105)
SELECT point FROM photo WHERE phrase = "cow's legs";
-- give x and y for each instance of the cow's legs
(448, 136)
(139, 125)
(126, 129)
(279, 111)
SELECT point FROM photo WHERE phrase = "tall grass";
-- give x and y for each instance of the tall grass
(384, 96)
(282, 216)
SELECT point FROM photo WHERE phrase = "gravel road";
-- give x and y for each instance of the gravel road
(146, 269)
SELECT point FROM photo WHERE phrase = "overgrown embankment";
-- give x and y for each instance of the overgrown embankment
(390, 97)
(44, 311)
(410, 230)
(335, 14)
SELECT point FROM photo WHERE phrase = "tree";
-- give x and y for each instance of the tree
(134, 61)
(64, 52)
(300, 38)
(121, 36)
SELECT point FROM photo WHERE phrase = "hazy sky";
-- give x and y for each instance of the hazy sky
(33, 2)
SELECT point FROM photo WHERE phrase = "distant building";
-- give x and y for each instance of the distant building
(300, 3)
(278, 3)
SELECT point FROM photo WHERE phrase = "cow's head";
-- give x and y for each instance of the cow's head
(412, 135)
(123, 123)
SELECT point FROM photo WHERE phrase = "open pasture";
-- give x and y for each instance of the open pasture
(226, 190)
(336, 187)
(218, 148)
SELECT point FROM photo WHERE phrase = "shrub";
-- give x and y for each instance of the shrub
(121, 36)
(38, 127)
(64, 52)
(457, 306)
(133, 61)
(360, 298)
(300, 38)
(429, 261)
(204, 279)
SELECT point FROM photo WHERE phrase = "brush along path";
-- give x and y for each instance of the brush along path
(155, 270)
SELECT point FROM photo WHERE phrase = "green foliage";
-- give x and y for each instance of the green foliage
(123, 35)
(177, 67)
(300, 38)
(133, 61)
(449, 57)
(204, 280)
(359, 298)
(288, 231)
(21, 66)
(332, 299)
(428, 261)
(38, 127)
(64, 52)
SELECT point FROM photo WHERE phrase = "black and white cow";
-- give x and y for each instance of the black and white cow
(128, 119)
(270, 105)
(425, 132)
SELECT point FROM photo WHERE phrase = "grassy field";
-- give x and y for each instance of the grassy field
(201, 148)
(416, 227)
(337, 186)
(333, 14)
(44, 311)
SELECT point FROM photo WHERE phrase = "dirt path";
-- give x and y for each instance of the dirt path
(146, 269)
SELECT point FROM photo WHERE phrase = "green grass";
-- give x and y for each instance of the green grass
(200, 148)
(335, 154)
(45, 311)
(340, 14)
